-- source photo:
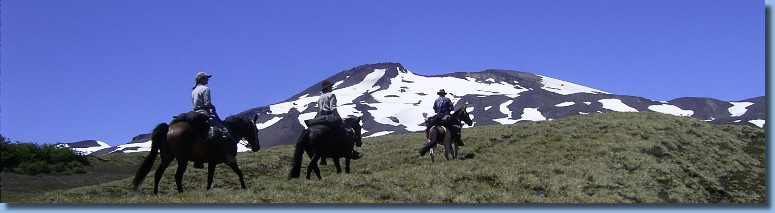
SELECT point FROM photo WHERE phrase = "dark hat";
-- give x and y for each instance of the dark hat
(201, 75)
(326, 84)
(441, 92)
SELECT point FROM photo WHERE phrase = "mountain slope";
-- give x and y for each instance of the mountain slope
(393, 100)
(598, 158)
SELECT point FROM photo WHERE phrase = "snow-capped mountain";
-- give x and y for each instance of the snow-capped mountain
(86, 147)
(393, 100)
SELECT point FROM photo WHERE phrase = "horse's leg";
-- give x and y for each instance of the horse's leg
(347, 165)
(433, 156)
(336, 164)
(323, 161)
(313, 166)
(159, 173)
(182, 164)
(447, 144)
(210, 174)
(236, 169)
(455, 149)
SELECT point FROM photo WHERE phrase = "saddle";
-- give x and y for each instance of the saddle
(446, 121)
(202, 125)
(200, 122)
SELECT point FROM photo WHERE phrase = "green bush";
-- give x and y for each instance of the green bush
(33, 159)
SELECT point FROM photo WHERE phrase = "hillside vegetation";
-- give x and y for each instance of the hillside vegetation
(597, 158)
(32, 159)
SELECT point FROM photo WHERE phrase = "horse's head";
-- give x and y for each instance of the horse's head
(254, 145)
(245, 129)
(355, 123)
(462, 115)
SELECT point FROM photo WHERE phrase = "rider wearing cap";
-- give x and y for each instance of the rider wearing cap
(200, 97)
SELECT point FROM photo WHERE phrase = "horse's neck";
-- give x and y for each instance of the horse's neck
(457, 114)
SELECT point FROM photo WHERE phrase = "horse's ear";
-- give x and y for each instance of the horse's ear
(255, 118)
(359, 119)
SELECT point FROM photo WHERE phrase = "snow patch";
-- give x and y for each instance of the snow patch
(531, 114)
(268, 123)
(241, 147)
(566, 88)
(133, 147)
(671, 109)
(616, 105)
(505, 110)
(564, 104)
(336, 85)
(306, 116)
(758, 122)
(87, 150)
(382, 133)
(739, 108)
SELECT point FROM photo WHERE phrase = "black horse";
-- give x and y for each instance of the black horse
(182, 140)
(319, 141)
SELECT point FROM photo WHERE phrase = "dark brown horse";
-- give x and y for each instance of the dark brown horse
(183, 141)
(319, 141)
(441, 135)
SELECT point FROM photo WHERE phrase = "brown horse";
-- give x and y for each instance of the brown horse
(183, 141)
(450, 142)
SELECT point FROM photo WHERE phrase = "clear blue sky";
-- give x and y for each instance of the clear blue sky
(109, 70)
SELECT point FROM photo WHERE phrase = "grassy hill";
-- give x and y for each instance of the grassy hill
(597, 158)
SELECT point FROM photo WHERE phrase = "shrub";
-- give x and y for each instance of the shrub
(33, 159)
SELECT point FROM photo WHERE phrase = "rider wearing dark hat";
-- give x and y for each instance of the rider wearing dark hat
(443, 107)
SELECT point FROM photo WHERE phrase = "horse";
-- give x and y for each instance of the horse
(319, 141)
(183, 141)
(450, 143)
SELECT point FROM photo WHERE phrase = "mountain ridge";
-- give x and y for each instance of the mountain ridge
(394, 100)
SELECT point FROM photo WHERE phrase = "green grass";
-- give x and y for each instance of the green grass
(598, 158)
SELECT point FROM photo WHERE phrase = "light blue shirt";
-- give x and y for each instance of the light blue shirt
(200, 97)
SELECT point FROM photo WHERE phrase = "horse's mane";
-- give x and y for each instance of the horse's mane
(458, 111)
(351, 120)
(234, 119)
(234, 123)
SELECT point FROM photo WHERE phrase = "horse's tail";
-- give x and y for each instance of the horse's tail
(301, 144)
(433, 134)
(158, 137)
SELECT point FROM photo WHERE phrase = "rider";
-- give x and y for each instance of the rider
(327, 113)
(200, 96)
(443, 107)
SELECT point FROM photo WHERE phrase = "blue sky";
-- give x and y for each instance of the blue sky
(109, 70)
